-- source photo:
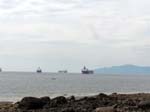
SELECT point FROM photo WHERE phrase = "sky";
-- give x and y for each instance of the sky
(68, 34)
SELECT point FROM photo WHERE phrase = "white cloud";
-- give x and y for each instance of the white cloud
(97, 27)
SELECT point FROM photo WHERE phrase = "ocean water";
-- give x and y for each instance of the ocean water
(16, 85)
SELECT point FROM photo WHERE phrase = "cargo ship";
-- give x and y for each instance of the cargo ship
(39, 70)
(86, 71)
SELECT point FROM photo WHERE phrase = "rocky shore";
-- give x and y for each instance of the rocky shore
(98, 103)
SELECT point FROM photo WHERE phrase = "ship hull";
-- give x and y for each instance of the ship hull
(39, 71)
(87, 72)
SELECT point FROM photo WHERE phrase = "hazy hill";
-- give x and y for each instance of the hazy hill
(124, 69)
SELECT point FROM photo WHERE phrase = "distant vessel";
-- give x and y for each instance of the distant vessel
(0, 69)
(86, 71)
(62, 71)
(39, 70)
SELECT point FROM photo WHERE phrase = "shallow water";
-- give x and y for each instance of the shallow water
(15, 85)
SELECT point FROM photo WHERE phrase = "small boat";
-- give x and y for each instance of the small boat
(62, 71)
(39, 70)
(0, 69)
(86, 71)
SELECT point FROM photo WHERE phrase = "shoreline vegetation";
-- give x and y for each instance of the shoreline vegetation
(138, 102)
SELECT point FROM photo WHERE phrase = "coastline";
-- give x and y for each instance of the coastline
(115, 102)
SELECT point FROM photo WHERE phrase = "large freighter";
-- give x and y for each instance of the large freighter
(86, 71)
(39, 70)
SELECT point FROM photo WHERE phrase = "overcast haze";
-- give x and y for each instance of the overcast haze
(67, 34)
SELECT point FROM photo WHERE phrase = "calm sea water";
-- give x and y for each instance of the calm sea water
(15, 85)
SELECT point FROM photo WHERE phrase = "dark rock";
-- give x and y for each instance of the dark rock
(58, 101)
(144, 104)
(72, 98)
(102, 95)
(97, 103)
(115, 94)
(33, 103)
(45, 100)
(129, 102)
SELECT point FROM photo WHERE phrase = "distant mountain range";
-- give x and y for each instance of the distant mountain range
(124, 69)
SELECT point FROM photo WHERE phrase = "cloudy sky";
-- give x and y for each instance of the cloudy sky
(67, 34)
